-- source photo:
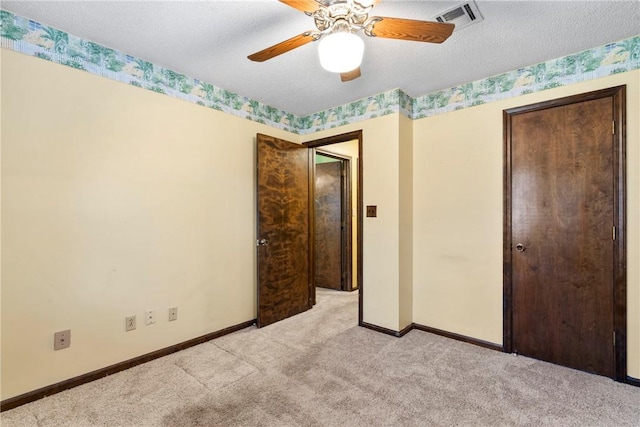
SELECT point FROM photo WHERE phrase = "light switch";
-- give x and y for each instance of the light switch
(372, 211)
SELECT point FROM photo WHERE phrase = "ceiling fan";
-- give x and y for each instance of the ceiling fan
(337, 21)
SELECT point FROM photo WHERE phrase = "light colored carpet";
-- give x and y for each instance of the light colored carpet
(320, 369)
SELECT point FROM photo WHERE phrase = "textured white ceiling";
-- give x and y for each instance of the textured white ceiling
(210, 40)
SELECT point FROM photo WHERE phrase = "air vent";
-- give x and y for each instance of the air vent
(462, 15)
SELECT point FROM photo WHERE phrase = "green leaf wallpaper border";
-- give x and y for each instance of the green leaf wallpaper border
(33, 38)
(370, 107)
(612, 58)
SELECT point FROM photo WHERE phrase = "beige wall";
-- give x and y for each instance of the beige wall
(350, 148)
(458, 215)
(1, 58)
(117, 200)
(405, 191)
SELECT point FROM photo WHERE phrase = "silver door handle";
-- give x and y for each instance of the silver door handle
(262, 242)
(520, 247)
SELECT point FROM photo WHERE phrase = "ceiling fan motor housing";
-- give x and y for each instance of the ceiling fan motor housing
(348, 16)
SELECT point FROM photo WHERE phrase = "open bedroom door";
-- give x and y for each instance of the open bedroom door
(284, 287)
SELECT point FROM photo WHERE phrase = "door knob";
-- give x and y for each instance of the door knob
(263, 242)
(520, 247)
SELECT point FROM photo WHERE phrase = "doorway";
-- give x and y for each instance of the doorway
(347, 145)
(564, 232)
(333, 237)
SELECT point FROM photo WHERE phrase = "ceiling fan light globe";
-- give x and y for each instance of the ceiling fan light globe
(340, 52)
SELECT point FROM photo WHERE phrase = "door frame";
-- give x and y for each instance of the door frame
(618, 95)
(346, 234)
(336, 139)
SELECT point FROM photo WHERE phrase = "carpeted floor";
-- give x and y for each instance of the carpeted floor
(320, 369)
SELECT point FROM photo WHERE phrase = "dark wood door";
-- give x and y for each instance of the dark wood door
(283, 229)
(562, 242)
(328, 225)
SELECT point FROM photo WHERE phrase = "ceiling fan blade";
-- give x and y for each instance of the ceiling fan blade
(282, 47)
(302, 5)
(350, 75)
(408, 29)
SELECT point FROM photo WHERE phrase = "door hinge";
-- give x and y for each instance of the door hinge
(614, 338)
(613, 127)
(614, 232)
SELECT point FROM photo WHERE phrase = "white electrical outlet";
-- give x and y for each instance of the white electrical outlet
(149, 317)
(173, 314)
(130, 323)
(62, 339)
